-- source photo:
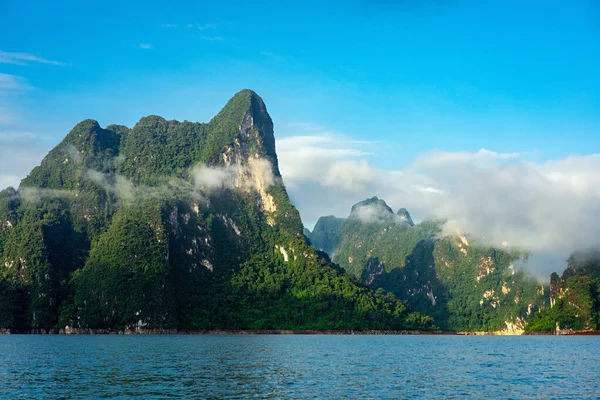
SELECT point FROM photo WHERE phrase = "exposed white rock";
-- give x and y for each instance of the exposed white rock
(231, 224)
(262, 174)
(511, 267)
(207, 264)
(515, 327)
(284, 253)
(431, 297)
(485, 267)
(541, 290)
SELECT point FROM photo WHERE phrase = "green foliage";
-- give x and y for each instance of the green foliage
(125, 282)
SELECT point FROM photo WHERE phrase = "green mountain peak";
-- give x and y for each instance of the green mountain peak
(173, 225)
(373, 208)
(405, 216)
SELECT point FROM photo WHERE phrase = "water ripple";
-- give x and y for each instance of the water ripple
(298, 366)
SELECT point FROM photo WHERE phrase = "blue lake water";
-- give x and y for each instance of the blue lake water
(299, 366)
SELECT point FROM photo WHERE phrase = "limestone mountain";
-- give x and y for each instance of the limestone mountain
(172, 225)
(465, 286)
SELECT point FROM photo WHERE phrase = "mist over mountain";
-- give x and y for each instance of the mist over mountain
(545, 208)
(462, 283)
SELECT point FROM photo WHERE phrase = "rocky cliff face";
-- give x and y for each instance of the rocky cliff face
(172, 225)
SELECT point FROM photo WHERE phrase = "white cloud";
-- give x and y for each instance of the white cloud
(7, 180)
(16, 136)
(12, 83)
(146, 46)
(482, 156)
(12, 89)
(25, 59)
(7, 117)
(321, 157)
(19, 153)
(552, 208)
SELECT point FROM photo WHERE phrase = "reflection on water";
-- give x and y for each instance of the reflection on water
(299, 366)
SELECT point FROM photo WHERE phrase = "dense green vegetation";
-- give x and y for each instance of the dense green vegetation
(111, 232)
(463, 286)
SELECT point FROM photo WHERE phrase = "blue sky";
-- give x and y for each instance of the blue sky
(414, 75)
(361, 93)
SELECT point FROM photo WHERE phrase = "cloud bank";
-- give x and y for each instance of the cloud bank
(550, 208)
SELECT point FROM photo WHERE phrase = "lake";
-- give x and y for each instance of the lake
(299, 366)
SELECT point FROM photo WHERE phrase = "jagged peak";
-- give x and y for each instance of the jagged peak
(8, 192)
(151, 121)
(87, 132)
(243, 102)
(373, 202)
(86, 124)
(245, 119)
(405, 216)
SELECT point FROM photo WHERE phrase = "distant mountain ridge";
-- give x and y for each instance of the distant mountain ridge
(463, 285)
